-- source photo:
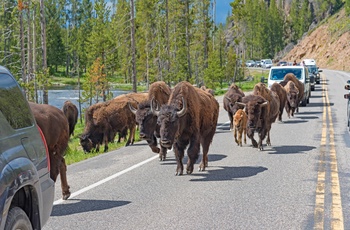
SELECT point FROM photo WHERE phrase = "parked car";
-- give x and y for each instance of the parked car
(26, 189)
(258, 63)
(250, 63)
(347, 96)
(277, 74)
(282, 63)
(266, 63)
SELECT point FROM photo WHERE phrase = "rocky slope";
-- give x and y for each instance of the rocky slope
(328, 44)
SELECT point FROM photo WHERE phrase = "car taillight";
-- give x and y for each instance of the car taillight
(46, 149)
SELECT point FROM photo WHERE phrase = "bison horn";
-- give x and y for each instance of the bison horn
(132, 109)
(184, 108)
(240, 103)
(154, 111)
(264, 104)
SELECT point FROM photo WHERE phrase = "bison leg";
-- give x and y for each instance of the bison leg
(204, 162)
(179, 155)
(245, 135)
(193, 154)
(235, 135)
(131, 135)
(240, 137)
(162, 153)
(250, 134)
(268, 141)
(231, 120)
(64, 183)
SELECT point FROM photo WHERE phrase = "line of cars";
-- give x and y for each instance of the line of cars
(307, 73)
(264, 63)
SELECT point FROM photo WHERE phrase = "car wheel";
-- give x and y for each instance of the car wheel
(17, 219)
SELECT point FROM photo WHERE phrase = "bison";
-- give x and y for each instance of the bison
(234, 94)
(282, 95)
(188, 119)
(262, 108)
(292, 93)
(71, 112)
(55, 128)
(240, 126)
(149, 130)
(105, 119)
(291, 77)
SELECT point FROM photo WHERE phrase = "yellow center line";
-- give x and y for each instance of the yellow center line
(337, 221)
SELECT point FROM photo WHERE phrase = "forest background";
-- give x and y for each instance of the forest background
(137, 42)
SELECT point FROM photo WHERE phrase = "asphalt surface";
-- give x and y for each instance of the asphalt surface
(289, 185)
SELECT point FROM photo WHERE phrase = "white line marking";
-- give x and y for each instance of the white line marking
(222, 125)
(106, 179)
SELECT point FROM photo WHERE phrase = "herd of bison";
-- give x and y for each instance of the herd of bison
(180, 117)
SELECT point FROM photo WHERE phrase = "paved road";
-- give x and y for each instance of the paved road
(300, 182)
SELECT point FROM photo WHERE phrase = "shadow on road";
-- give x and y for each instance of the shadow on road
(228, 173)
(291, 149)
(73, 206)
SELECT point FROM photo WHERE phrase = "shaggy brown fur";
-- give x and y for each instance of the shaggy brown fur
(240, 122)
(54, 126)
(234, 94)
(158, 94)
(189, 118)
(298, 84)
(71, 112)
(282, 95)
(208, 90)
(105, 119)
(292, 93)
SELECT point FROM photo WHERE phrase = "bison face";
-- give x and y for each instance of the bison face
(254, 111)
(147, 123)
(168, 121)
(292, 99)
(86, 143)
(232, 105)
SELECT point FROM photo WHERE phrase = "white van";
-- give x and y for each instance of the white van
(277, 74)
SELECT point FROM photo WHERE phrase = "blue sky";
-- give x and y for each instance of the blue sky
(222, 9)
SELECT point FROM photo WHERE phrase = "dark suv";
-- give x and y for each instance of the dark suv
(26, 189)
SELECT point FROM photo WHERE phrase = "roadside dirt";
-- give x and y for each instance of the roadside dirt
(331, 51)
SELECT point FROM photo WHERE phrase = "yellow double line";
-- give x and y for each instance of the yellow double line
(337, 221)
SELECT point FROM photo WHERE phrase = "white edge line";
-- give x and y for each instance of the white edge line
(106, 179)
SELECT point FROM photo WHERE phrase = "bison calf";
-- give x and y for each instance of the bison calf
(240, 126)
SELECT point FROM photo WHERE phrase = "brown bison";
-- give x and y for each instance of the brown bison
(208, 90)
(282, 95)
(291, 77)
(54, 126)
(234, 94)
(262, 108)
(188, 119)
(103, 120)
(149, 130)
(71, 112)
(240, 126)
(292, 93)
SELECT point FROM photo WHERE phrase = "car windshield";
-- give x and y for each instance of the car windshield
(312, 68)
(278, 74)
(268, 61)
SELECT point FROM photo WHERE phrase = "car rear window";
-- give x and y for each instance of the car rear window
(13, 105)
(278, 74)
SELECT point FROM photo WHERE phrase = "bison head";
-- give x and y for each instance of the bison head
(146, 119)
(292, 98)
(253, 106)
(168, 121)
(231, 102)
(86, 143)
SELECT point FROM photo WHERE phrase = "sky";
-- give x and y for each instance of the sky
(223, 8)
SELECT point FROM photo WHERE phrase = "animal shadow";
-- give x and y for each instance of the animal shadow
(73, 206)
(291, 149)
(228, 173)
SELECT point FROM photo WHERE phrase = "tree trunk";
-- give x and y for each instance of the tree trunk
(133, 48)
(189, 73)
(30, 52)
(43, 49)
(23, 61)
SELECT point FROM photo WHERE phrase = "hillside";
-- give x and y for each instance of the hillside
(328, 44)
